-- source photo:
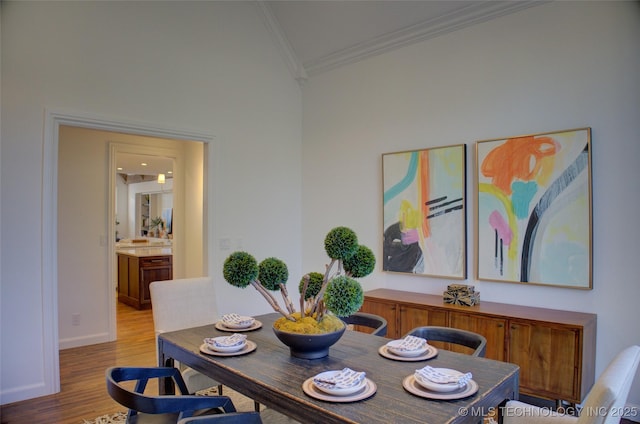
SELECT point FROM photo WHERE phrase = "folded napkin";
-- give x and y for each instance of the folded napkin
(236, 319)
(228, 341)
(341, 380)
(409, 343)
(435, 376)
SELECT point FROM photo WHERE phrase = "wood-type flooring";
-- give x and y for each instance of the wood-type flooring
(83, 392)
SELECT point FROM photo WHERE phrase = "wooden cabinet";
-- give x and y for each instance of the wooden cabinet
(549, 358)
(135, 273)
(493, 329)
(554, 349)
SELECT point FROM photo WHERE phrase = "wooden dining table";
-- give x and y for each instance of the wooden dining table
(272, 377)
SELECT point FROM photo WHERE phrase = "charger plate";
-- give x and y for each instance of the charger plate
(248, 347)
(310, 389)
(430, 353)
(220, 326)
(412, 386)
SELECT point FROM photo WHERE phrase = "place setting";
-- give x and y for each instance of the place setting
(233, 345)
(237, 323)
(410, 348)
(344, 385)
(440, 383)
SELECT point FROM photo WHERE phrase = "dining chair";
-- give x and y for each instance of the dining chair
(377, 323)
(183, 303)
(145, 408)
(603, 405)
(232, 418)
(268, 415)
(474, 341)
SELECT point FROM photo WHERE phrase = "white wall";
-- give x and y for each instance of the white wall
(207, 67)
(556, 66)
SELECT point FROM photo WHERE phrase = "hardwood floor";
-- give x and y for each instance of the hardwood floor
(83, 392)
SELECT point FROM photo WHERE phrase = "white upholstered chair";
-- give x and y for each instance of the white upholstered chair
(603, 404)
(184, 303)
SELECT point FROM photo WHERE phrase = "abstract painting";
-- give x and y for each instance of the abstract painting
(424, 212)
(534, 209)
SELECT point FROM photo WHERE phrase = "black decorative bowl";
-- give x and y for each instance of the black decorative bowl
(309, 346)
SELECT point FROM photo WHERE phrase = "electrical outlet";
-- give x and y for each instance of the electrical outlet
(75, 319)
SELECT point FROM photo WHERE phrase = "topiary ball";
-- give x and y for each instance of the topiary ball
(344, 296)
(273, 272)
(315, 284)
(340, 243)
(361, 263)
(240, 269)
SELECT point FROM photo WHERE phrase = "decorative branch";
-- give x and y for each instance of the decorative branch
(272, 301)
(303, 294)
(287, 301)
(325, 283)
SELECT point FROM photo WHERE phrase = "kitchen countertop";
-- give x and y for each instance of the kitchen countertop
(145, 251)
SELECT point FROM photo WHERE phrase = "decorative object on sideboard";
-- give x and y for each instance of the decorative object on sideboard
(461, 294)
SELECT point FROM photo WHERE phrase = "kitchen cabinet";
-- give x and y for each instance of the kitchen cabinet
(555, 349)
(137, 268)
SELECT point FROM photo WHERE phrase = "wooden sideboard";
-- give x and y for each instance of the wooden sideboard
(555, 349)
(136, 271)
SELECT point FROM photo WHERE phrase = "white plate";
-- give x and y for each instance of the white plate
(336, 391)
(391, 347)
(428, 354)
(368, 389)
(218, 348)
(222, 327)
(236, 326)
(412, 386)
(248, 347)
(440, 387)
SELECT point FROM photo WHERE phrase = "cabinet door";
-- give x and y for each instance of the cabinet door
(153, 269)
(385, 310)
(411, 318)
(123, 275)
(548, 359)
(493, 329)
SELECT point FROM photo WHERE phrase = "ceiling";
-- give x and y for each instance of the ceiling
(320, 35)
(132, 164)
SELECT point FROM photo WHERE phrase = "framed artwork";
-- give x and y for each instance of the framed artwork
(424, 212)
(533, 209)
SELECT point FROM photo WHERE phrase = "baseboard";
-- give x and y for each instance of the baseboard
(83, 341)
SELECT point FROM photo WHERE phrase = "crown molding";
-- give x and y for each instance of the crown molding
(473, 14)
(293, 63)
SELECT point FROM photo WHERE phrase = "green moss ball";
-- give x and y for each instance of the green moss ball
(315, 284)
(343, 296)
(361, 263)
(272, 273)
(340, 243)
(240, 269)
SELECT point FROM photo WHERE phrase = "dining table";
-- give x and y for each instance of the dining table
(270, 375)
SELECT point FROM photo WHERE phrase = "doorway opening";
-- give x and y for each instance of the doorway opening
(102, 322)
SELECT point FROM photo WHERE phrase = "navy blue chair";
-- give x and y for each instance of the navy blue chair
(166, 409)
(477, 343)
(232, 418)
(377, 323)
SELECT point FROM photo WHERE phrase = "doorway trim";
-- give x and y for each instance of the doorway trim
(53, 119)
